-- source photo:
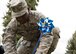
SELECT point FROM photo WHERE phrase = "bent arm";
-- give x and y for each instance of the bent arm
(45, 43)
(9, 38)
(56, 34)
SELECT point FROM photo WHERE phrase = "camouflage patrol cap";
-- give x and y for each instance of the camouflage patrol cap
(19, 7)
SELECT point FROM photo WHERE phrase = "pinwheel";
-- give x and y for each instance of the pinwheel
(45, 25)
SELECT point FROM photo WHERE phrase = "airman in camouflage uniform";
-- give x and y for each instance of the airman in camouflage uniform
(24, 23)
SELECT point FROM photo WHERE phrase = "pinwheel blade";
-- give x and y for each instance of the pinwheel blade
(46, 20)
(39, 24)
(42, 20)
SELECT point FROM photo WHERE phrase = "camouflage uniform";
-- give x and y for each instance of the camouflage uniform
(30, 34)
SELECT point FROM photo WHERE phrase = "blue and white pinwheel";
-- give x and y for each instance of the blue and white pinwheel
(45, 25)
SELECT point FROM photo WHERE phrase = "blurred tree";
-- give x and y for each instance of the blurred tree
(7, 18)
(71, 47)
(32, 4)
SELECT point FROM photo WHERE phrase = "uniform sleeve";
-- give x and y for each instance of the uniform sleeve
(45, 43)
(9, 37)
(56, 34)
